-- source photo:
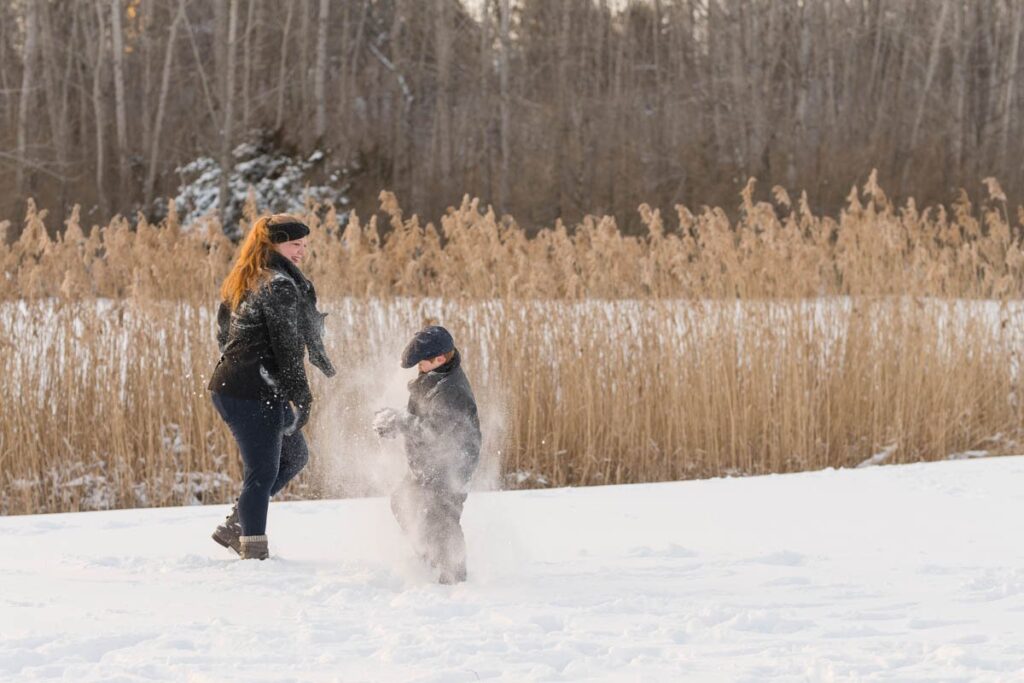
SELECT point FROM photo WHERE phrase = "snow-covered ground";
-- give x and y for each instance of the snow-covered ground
(886, 573)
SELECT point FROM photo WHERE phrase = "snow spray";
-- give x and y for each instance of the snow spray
(350, 460)
(353, 460)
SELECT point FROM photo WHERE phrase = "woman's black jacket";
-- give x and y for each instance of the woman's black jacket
(263, 342)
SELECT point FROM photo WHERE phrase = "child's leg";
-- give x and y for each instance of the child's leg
(403, 504)
(408, 506)
(446, 542)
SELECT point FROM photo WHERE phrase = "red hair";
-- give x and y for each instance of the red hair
(250, 268)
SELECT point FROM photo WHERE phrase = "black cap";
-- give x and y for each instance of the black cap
(430, 342)
(286, 232)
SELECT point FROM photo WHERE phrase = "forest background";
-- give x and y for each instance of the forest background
(542, 109)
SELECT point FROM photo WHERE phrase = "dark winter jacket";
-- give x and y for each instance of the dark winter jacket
(264, 341)
(442, 430)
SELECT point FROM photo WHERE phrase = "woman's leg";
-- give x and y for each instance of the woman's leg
(257, 429)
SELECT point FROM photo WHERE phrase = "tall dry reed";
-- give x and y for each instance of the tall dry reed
(782, 342)
(773, 251)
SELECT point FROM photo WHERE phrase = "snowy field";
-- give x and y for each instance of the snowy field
(886, 573)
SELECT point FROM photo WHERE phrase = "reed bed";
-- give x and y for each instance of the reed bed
(780, 342)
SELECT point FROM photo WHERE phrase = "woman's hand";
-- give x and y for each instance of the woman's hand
(301, 410)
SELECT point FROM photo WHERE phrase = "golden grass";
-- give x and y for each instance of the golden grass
(781, 342)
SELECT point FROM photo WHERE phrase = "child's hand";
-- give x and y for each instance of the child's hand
(385, 422)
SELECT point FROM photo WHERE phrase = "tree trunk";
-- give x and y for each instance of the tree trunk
(320, 77)
(146, 44)
(960, 57)
(348, 56)
(247, 58)
(1011, 81)
(933, 63)
(402, 143)
(97, 108)
(27, 87)
(563, 128)
(803, 93)
(304, 32)
(282, 70)
(211, 109)
(485, 176)
(56, 98)
(442, 111)
(503, 84)
(228, 79)
(5, 84)
(119, 103)
(220, 43)
(165, 83)
(83, 92)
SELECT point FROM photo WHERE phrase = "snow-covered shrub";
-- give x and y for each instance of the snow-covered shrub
(280, 182)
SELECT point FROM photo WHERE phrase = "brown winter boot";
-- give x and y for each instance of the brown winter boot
(253, 548)
(230, 530)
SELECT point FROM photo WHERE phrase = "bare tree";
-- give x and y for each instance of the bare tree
(200, 70)
(28, 86)
(6, 82)
(283, 62)
(304, 32)
(57, 87)
(320, 75)
(228, 99)
(1016, 9)
(100, 41)
(803, 94)
(442, 112)
(117, 36)
(505, 20)
(483, 113)
(247, 59)
(165, 86)
(540, 108)
(922, 100)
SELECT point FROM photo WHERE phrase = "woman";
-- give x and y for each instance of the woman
(266, 322)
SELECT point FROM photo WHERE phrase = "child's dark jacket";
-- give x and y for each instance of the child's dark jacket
(442, 431)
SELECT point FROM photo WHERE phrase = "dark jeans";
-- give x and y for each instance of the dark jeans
(429, 516)
(270, 458)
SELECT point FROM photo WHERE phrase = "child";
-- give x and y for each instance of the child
(442, 444)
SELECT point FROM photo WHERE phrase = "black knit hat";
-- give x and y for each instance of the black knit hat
(430, 342)
(286, 232)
